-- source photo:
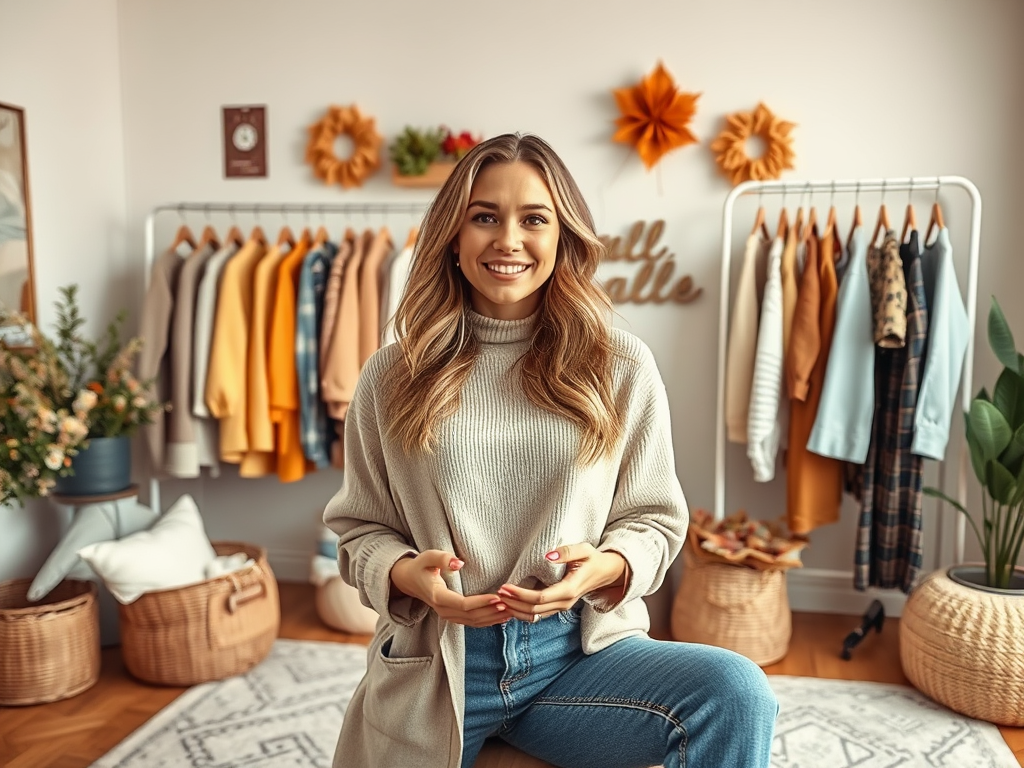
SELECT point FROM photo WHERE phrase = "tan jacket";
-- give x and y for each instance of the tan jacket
(226, 390)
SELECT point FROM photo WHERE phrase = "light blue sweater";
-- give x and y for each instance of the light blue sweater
(948, 331)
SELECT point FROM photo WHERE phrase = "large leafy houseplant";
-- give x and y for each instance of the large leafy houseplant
(995, 437)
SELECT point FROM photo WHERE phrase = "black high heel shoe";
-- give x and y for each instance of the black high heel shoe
(873, 617)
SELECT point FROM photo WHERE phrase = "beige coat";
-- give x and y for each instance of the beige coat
(500, 490)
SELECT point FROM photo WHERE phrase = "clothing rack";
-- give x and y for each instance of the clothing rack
(846, 186)
(308, 210)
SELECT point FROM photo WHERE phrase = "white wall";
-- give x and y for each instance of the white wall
(60, 61)
(877, 89)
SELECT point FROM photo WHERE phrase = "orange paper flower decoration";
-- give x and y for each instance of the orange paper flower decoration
(730, 147)
(654, 116)
(365, 158)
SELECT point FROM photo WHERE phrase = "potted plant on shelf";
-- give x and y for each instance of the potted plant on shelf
(960, 628)
(69, 408)
(425, 157)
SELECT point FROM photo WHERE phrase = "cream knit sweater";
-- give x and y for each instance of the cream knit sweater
(500, 490)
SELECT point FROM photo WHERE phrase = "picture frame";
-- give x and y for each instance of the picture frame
(17, 269)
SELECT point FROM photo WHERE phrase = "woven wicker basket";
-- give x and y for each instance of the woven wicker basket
(50, 649)
(733, 606)
(207, 631)
(963, 648)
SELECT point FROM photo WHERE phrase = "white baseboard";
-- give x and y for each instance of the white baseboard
(820, 590)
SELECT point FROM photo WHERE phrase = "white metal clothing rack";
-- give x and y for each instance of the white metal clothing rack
(309, 212)
(834, 187)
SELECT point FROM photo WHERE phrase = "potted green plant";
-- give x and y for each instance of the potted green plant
(995, 438)
(414, 154)
(960, 628)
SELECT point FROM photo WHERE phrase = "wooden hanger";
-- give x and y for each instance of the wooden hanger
(235, 236)
(320, 237)
(882, 225)
(184, 235)
(410, 240)
(783, 229)
(858, 221)
(798, 225)
(759, 224)
(208, 236)
(909, 222)
(935, 221)
(812, 223)
(286, 237)
(830, 223)
(258, 235)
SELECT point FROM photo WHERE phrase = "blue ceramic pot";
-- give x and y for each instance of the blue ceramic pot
(104, 467)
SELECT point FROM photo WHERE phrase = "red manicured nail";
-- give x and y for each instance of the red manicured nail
(552, 555)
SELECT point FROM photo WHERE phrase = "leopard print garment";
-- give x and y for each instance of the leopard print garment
(888, 293)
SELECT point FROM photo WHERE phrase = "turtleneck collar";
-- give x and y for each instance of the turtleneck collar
(490, 330)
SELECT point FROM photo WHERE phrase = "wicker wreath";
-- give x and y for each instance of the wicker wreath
(731, 152)
(365, 158)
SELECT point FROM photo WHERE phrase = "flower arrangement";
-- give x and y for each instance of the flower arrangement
(456, 146)
(56, 395)
(414, 150)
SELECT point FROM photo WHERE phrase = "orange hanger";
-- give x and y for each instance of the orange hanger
(830, 224)
(208, 237)
(285, 237)
(783, 229)
(935, 221)
(184, 235)
(798, 225)
(321, 237)
(414, 233)
(882, 225)
(909, 222)
(810, 227)
(235, 236)
(258, 235)
(759, 224)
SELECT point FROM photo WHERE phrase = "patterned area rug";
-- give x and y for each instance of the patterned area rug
(286, 712)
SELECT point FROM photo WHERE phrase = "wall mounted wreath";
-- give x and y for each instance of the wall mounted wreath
(731, 151)
(365, 158)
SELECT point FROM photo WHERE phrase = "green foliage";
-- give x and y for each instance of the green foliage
(994, 427)
(58, 393)
(414, 150)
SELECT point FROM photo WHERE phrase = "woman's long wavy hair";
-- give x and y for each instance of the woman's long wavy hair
(567, 369)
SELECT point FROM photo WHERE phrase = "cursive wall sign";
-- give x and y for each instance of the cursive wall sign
(653, 282)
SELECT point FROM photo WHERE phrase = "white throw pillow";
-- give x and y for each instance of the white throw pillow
(173, 552)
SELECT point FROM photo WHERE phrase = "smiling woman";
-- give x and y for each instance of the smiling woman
(508, 241)
(510, 497)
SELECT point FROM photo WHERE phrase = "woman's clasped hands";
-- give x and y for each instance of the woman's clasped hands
(587, 570)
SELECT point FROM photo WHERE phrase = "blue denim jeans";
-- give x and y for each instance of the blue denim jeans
(635, 704)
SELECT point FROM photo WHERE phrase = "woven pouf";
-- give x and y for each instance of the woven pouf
(733, 606)
(964, 648)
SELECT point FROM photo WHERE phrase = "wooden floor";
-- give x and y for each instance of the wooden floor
(75, 732)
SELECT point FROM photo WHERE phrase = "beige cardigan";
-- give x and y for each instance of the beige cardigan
(500, 490)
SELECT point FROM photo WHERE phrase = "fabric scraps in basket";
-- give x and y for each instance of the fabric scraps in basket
(743, 541)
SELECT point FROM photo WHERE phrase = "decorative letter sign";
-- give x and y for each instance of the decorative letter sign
(653, 281)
